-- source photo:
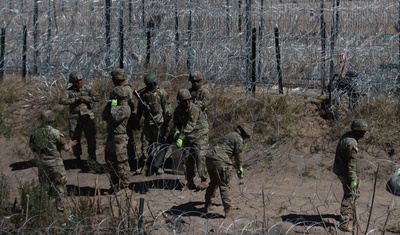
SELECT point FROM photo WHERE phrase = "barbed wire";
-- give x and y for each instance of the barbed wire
(73, 38)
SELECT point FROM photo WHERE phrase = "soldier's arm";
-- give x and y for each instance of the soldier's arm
(89, 95)
(62, 141)
(352, 160)
(205, 101)
(65, 99)
(166, 107)
(192, 122)
(237, 152)
(139, 114)
(93, 96)
(119, 113)
(176, 123)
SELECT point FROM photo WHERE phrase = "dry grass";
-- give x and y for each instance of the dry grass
(276, 118)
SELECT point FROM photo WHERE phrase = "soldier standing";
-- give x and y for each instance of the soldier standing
(345, 168)
(191, 132)
(200, 95)
(221, 160)
(155, 107)
(80, 99)
(46, 143)
(116, 113)
(119, 78)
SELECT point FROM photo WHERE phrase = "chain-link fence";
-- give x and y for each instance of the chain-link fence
(174, 37)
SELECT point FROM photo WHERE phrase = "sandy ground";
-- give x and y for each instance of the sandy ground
(288, 189)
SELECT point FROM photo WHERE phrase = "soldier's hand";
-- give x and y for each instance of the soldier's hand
(176, 134)
(113, 102)
(239, 172)
(179, 143)
(73, 142)
(353, 184)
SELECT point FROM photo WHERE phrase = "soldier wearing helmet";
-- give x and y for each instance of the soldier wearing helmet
(119, 78)
(80, 98)
(116, 113)
(191, 131)
(46, 143)
(200, 95)
(155, 108)
(221, 161)
(345, 167)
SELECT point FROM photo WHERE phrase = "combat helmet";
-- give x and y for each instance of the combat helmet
(118, 74)
(359, 125)
(150, 78)
(47, 116)
(75, 76)
(246, 128)
(183, 94)
(195, 76)
(120, 92)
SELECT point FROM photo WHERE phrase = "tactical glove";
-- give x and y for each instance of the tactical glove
(179, 143)
(176, 135)
(239, 172)
(113, 102)
(353, 184)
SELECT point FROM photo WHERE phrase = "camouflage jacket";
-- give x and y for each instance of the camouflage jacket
(228, 149)
(117, 118)
(77, 109)
(201, 97)
(156, 104)
(191, 123)
(129, 90)
(47, 142)
(346, 156)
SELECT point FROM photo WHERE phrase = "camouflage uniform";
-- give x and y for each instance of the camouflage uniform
(116, 155)
(193, 127)
(119, 78)
(221, 161)
(46, 143)
(156, 111)
(200, 95)
(345, 167)
(81, 117)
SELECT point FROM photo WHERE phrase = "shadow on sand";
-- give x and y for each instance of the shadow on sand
(311, 220)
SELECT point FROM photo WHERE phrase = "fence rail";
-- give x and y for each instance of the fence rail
(208, 35)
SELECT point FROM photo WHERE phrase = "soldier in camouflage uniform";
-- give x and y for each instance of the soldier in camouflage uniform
(155, 107)
(80, 99)
(117, 113)
(46, 143)
(200, 95)
(221, 160)
(191, 132)
(345, 168)
(119, 78)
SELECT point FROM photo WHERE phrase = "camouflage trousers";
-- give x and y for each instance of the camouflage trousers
(348, 203)
(151, 146)
(195, 159)
(220, 176)
(84, 124)
(131, 148)
(116, 157)
(53, 176)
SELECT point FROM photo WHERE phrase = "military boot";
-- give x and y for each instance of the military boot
(209, 208)
(189, 186)
(203, 185)
(142, 170)
(60, 205)
(229, 213)
(346, 226)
